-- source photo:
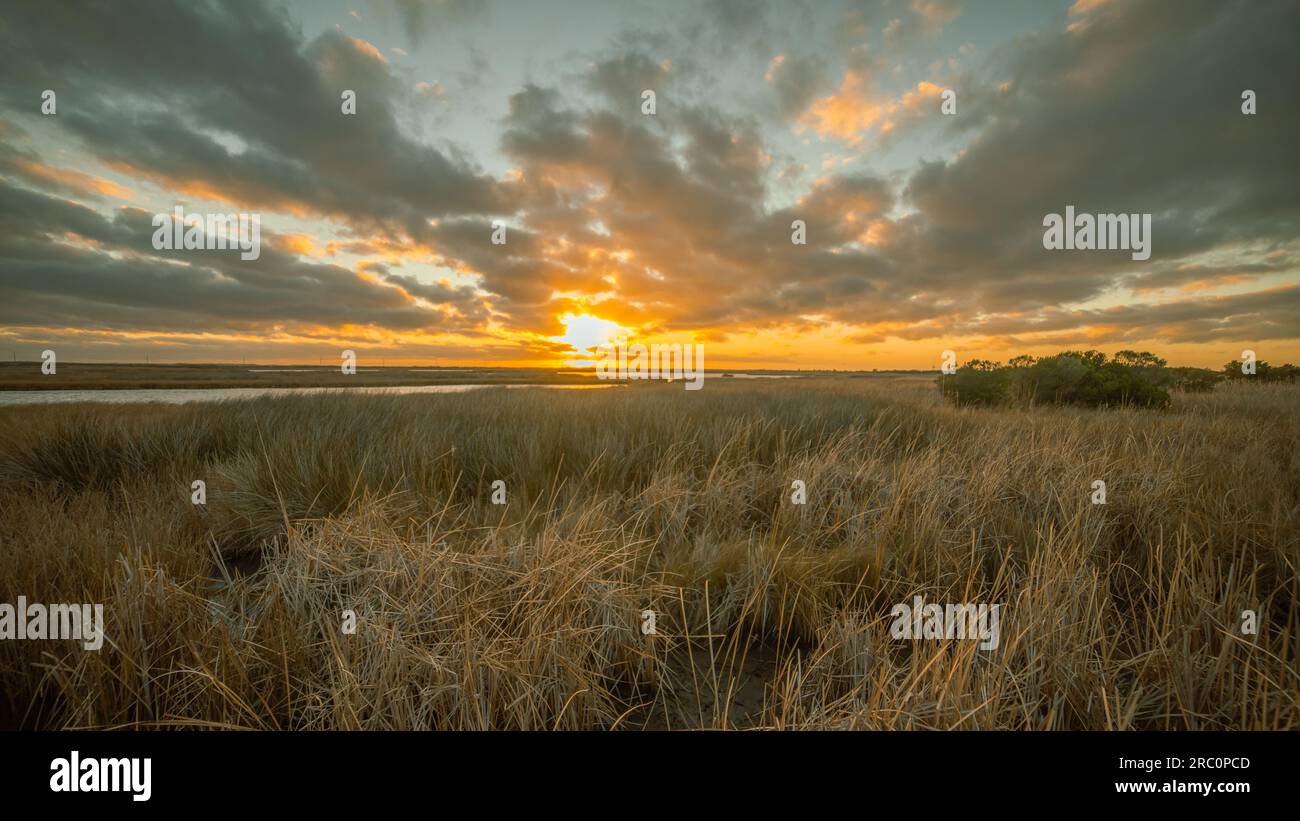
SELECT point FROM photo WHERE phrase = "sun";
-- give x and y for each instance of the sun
(584, 332)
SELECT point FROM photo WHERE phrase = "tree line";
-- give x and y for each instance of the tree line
(1091, 379)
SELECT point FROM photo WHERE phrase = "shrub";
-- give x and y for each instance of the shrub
(1264, 372)
(1195, 380)
(1084, 378)
(978, 382)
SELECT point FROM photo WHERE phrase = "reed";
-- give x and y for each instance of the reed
(647, 497)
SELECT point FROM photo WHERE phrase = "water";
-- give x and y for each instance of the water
(176, 396)
(713, 375)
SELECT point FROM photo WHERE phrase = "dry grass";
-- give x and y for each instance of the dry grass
(27, 376)
(473, 615)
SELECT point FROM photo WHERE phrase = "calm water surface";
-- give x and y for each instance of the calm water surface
(177, 396)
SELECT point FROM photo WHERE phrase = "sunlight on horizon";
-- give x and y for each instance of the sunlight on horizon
(584, 333)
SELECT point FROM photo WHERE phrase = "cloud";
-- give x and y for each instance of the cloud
(859, 108)
(67, 180)
(664, 224)
(123, 284)
(421, 17)
(1116, 119)
(621, 79)
(161, 93)
(796, 81)
(938, 13)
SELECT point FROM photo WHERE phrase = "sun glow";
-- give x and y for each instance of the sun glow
(584, 333)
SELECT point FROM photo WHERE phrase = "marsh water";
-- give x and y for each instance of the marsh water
(177, 396)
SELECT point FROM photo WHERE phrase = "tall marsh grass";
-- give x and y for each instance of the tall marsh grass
(528, 615)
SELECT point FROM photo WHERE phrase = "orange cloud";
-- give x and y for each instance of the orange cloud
(368, 49)
(301, 244)
(773, 66)
(81, 183)
(856, 107)
(846, 113)
(1085, 6)
(1084, 9)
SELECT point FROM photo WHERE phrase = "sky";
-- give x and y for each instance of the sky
(923, 229)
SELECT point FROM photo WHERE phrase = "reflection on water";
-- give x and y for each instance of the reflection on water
(711, 375)
(176, 396)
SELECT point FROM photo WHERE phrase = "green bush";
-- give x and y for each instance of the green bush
(976, 383)
(1264, 372)
(1085, 378)
(1195, 380)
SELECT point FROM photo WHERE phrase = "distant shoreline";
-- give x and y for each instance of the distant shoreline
(27, 376)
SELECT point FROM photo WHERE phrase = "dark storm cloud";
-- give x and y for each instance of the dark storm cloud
(148, 89)
(1121, 115)
(147, 85)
